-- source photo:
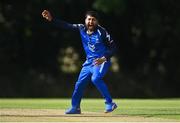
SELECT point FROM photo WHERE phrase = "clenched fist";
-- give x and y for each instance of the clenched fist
(47, 15)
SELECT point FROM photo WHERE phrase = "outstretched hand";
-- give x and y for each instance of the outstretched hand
(47, 15)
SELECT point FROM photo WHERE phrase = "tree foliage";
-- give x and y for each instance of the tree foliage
(113, 6)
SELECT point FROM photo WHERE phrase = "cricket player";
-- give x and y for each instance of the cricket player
(99, 47)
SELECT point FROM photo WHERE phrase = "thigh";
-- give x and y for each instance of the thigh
(85, 74)
(101, 70)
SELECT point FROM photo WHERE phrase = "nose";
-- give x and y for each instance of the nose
(90, 21)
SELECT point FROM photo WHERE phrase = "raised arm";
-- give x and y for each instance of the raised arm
(59, 23)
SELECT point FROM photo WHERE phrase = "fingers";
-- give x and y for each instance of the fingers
(98, 61)
(46, 14)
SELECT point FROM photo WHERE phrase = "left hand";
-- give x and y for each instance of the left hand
(99, 61)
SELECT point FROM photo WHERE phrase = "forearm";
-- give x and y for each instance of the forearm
(111, 51)
(63, 24)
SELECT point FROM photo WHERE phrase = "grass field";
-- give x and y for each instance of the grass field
(52, 110)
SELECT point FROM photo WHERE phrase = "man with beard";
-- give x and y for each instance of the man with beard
(99, 47)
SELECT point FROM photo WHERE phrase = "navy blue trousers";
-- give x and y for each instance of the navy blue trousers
(94, 74)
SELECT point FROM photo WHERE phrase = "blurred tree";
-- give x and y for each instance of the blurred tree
(69, 60)
(114, 6)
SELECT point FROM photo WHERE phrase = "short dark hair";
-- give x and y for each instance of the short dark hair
(93, 14)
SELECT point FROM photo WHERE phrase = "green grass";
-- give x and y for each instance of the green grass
(158, 108)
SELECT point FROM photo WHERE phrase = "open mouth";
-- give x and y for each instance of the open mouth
(90, 26)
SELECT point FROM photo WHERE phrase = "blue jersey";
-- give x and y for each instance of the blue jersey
(96, 45)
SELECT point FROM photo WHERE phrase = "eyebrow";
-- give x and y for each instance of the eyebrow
(91, 17)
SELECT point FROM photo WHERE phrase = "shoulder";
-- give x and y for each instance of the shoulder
(101, 30)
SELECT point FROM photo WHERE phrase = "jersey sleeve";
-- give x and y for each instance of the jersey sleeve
(66, 25)
(109, 42)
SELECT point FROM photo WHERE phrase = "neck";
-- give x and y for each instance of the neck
(89, 32)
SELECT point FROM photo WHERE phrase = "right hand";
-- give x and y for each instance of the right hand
(47, 15)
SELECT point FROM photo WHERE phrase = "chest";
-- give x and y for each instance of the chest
(92, 39)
